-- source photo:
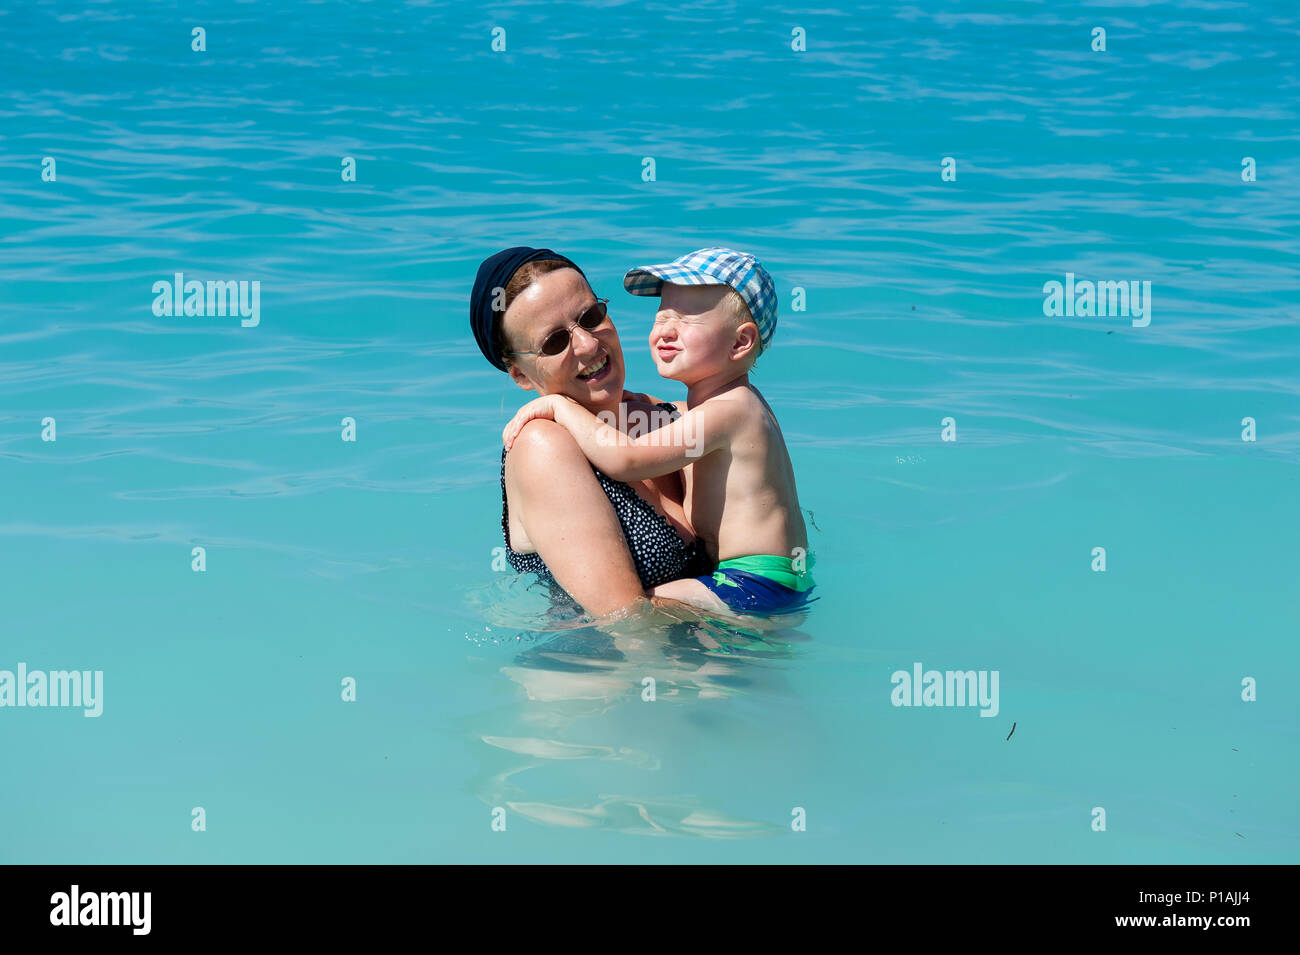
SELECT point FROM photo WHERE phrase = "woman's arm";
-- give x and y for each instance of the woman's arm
(569, 520)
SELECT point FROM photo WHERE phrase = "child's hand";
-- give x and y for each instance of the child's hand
(543, 407)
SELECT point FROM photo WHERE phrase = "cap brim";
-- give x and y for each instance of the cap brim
(644, 281)
(650, 279)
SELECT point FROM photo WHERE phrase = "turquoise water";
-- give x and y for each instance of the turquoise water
(372, 559)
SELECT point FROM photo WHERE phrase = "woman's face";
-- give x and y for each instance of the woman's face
(590, 370)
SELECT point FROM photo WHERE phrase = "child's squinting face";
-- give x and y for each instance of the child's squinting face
(693, 332)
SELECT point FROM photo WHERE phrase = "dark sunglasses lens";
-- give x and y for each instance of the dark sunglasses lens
(593, 317)
(556, 342)
(590, 320)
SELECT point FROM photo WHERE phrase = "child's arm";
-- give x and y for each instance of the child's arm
(679, 443)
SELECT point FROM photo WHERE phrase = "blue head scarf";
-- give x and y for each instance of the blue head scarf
(495, 273)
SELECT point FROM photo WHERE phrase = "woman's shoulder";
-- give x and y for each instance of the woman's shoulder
(542, 451)
(541, 435)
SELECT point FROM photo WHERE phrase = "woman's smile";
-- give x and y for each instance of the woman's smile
(595, 371)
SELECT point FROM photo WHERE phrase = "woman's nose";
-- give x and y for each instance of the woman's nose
(584, 342)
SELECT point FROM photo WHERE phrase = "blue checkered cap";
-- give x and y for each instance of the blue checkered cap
(740, 270)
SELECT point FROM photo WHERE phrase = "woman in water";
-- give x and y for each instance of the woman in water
(603, 542)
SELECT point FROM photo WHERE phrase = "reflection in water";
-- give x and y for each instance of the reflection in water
(628, 814)
(629, 706)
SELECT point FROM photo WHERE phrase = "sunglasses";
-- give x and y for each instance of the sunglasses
(590, 320)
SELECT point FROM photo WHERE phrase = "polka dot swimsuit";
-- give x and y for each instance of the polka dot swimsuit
(658, 553)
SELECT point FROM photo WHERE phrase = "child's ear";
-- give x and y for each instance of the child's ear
(745, 340)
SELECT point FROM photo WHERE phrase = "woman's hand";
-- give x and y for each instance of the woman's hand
(543, 407)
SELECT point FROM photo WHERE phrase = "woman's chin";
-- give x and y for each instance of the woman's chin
(606, 388)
